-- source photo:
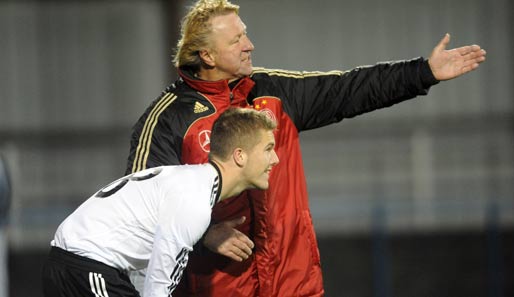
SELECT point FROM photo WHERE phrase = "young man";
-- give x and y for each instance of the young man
(152, 219)
(216, 72)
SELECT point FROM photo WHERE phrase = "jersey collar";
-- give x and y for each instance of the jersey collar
(220, 181)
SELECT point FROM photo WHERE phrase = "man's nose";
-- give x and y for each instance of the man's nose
(274, 159)
(248, 44)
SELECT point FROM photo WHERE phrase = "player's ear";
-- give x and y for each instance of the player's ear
(206, 57)
(239, 156)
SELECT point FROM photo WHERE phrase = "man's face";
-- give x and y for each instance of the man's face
(260, 161)
(231, 52)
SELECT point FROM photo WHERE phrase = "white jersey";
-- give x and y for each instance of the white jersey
(150, 219)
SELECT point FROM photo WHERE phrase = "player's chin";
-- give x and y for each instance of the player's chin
(262, 185)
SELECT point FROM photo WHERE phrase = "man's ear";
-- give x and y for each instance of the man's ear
(240, 157)
(207, 57)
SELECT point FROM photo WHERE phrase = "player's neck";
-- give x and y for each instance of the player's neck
(231, 183)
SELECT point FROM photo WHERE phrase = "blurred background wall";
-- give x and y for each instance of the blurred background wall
(417, 199)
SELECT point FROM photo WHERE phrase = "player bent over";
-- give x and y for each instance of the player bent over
(151, 219)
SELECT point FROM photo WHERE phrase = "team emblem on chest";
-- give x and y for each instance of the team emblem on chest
(266, 105)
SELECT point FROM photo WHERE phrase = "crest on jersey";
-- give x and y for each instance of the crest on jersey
(261, 104)
(204, 138)
(269, 114)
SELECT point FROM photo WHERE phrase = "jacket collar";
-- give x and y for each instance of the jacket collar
(220, 87)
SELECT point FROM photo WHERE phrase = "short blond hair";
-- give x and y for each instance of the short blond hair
(238, 128)
(196, 29)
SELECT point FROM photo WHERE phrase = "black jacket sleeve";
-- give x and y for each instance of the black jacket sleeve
(155, 139)
(314, 100)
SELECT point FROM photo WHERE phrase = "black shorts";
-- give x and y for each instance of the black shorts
(67, 274)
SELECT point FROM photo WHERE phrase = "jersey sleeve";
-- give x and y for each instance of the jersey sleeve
(177, 232)
(167, 263)
(315, 99)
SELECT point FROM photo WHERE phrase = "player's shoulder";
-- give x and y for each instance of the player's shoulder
(190, 175)
(191, 185)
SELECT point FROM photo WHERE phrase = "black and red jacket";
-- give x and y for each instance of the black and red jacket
(175, 129)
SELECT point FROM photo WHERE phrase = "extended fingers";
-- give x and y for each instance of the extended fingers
(449, 64)
(479, 55)
(470, 49)
(472, 59)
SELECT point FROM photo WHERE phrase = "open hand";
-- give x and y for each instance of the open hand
(447, 64)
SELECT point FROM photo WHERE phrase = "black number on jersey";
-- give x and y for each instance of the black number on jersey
(120, 183)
